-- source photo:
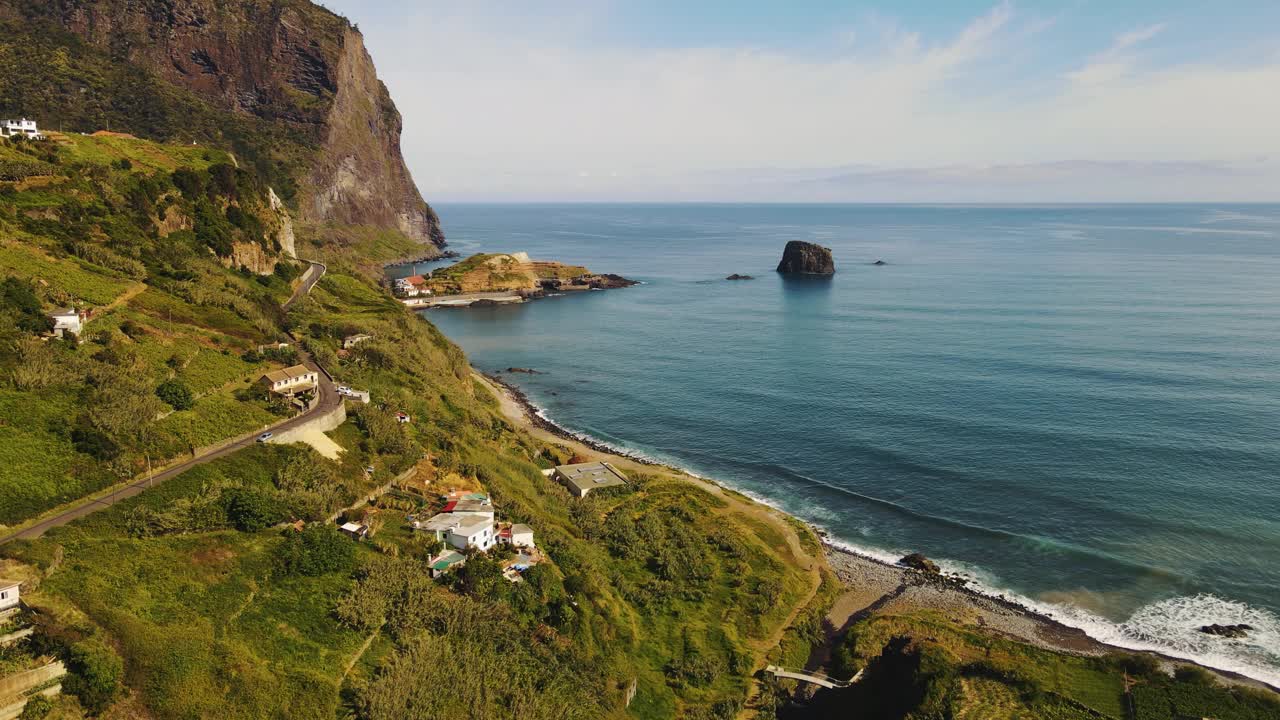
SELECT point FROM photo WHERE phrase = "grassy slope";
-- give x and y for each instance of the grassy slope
(42, 467)
(199, 617)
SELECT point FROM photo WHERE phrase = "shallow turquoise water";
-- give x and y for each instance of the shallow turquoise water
(1079, 405)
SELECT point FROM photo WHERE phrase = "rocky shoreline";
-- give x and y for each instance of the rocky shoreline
(411, 259)
(873, 585)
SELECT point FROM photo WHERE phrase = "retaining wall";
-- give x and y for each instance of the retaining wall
(324, 422)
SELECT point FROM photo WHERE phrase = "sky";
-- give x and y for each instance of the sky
(826, 101)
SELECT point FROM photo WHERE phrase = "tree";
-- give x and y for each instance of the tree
(37, 708)
(317, 550)
(177, 395)
(96, 676)
(19, 297)
(251, 511)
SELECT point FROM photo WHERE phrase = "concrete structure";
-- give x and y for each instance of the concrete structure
(355, 530)
(469, 506)
(20, 128)
(291, 380)
(66, 321)
(472, 532)
(582, 478)
(9, 594)
(445, 562)
(351, 341)
(517, 535)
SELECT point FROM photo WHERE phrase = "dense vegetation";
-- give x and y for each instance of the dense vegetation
(214, 610)
(139, 235)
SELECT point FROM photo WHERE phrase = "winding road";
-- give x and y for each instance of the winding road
(328, 400)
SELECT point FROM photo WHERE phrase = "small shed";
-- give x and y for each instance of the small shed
(66, 320)
(355, 530)
(351, 341)
(446, 562)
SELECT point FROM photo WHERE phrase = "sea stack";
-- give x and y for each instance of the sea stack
(806, 258)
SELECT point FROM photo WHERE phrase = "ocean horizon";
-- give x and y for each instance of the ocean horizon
(1072, 404)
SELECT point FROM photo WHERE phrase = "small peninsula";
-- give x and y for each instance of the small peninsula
(806, 258)
(499, 278)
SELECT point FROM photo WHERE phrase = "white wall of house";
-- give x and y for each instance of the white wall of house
(522, 539)
(481, 538)
(8, 596)
(24, 127)
(66, 322)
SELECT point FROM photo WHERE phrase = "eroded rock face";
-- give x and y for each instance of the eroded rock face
(806, 258)
(920, 562)
(296, 65)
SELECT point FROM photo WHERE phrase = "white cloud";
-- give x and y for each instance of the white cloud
(1116, 61)
(499, 107)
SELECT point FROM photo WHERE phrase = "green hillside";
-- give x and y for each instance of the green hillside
(139, 235)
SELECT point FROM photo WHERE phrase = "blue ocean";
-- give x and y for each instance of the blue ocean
(1076, 405)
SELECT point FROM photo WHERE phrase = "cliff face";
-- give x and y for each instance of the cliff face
(296, 66)
(806, 258)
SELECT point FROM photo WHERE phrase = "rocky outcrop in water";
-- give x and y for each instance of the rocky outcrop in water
(806, 258)
(920, 562)
(736, 276)
(1227, 631)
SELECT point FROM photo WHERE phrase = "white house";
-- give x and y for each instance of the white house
(474, 532)
(517, 535)
(66, 321)
(24, 127)
(9, 594)
(291, 380)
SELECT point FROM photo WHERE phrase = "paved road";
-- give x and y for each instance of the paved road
(329, 399)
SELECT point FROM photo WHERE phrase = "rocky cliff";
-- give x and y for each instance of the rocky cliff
(301, 91)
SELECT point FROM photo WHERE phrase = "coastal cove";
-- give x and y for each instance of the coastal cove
(954, 401)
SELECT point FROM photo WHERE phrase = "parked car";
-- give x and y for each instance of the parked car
(344, 390)
(369, 469)
(265, 436)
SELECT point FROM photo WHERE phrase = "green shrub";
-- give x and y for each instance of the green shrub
(96, 674)
(37, 708)
(177, 395)
(317, 550)
(251, 510)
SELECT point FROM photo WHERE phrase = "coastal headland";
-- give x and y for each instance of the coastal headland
(499, 279)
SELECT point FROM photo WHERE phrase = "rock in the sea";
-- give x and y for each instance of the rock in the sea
(736, 276)
(526, 371)
(879, 262)
(806, 258)
(920, 562)
(1227, 631)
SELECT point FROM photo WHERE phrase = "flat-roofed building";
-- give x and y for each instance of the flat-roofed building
(582, 478)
